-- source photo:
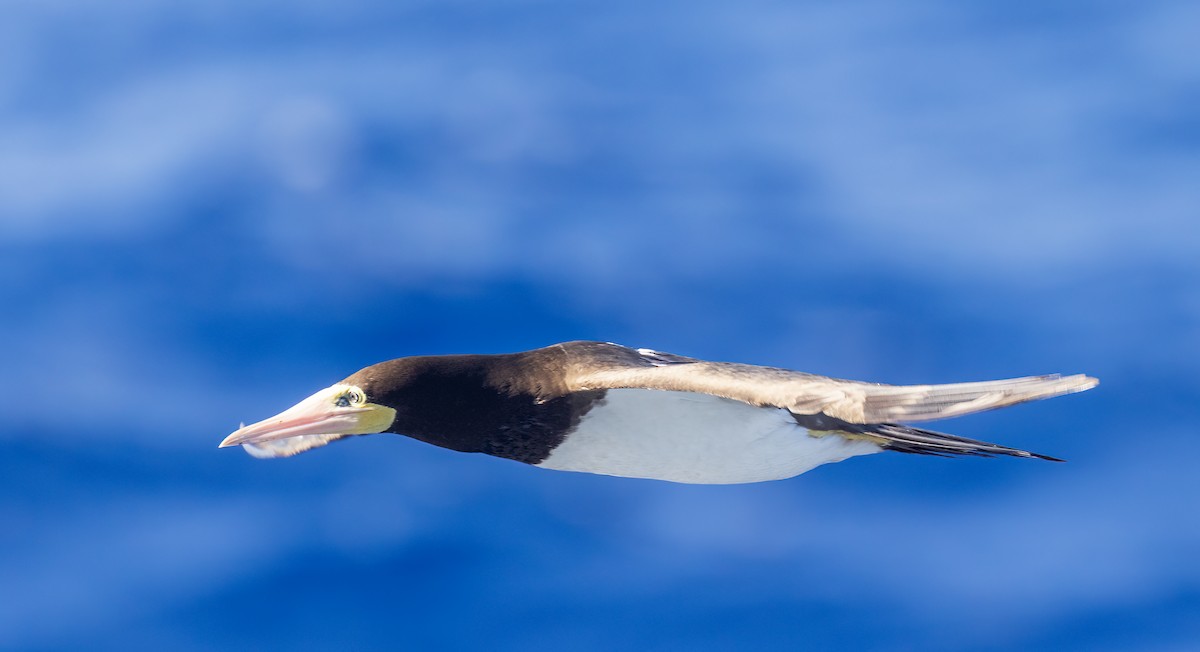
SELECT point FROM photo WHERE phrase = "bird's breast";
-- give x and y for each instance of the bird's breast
(693, 438)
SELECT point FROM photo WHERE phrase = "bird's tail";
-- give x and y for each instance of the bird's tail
(907, 439)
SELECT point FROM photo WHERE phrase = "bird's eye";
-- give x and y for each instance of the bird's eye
(343, 400)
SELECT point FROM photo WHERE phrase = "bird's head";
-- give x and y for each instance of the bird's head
(346, 408)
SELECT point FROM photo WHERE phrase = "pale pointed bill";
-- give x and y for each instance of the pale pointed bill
(318, 415)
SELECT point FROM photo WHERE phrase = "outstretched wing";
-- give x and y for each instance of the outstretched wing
(593, 365)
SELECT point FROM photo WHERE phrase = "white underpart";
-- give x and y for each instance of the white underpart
(695, 438)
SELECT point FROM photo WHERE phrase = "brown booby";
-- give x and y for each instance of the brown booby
(604, 408)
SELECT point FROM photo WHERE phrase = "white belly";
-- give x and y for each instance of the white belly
(695, 438)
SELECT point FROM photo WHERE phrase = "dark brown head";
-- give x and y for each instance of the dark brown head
(358, 405)
(449, 401)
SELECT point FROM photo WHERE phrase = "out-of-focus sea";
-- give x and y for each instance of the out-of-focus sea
(210, 209)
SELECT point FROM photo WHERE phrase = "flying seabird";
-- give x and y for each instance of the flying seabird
(604, 408)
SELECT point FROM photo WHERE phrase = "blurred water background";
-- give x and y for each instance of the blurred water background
(209, 209)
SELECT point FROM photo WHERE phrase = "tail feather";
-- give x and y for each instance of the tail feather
(906, 439)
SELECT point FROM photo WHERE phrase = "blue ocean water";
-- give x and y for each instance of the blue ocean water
(209, 210)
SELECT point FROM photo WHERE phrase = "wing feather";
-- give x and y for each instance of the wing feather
(610, 366)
